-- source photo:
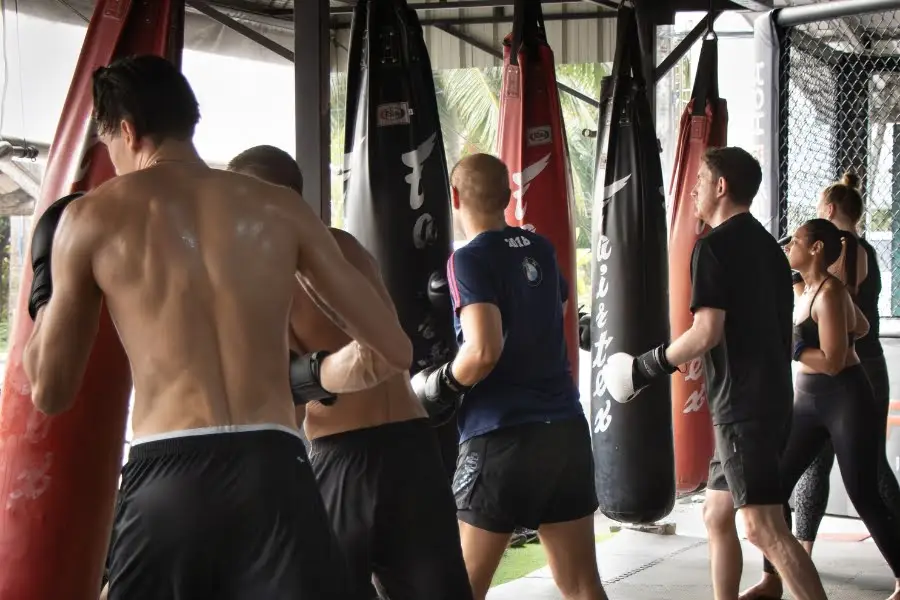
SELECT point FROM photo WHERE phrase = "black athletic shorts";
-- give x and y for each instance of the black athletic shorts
(392, 509)
(526, 475)
(230, 515)
(746, 461)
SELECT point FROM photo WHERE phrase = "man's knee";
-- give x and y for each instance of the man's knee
(764, 525)
(718, 511)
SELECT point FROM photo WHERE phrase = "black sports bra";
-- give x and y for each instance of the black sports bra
(808, 329)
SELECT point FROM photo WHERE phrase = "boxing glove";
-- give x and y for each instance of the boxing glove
(796, 277)
(625, 376)
(439, 392)
(584, 331)
(439, 291)
(41, 249)
(304, 375)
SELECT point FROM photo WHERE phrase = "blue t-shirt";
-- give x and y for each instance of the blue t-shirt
(516, 270)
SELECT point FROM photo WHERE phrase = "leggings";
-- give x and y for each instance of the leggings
(843, 408)
(811, 493)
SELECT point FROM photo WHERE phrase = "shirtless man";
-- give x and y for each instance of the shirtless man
(374, 452)
(197, 268)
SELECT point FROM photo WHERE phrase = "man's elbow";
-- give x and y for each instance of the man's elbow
(48, 402)
(710, 336)
(486, 358)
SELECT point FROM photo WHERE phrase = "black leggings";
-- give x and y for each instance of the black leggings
(843, 408)
(811, 493)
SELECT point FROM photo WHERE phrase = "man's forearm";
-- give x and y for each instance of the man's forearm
(354, 368)
(471, 366)
(354, 305)
(691, 344)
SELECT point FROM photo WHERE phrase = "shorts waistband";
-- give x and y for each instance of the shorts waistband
(360, 439)
(205, 438)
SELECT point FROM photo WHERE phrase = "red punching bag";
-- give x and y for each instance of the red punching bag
(60, 473)
(532, 143)
(704, 124)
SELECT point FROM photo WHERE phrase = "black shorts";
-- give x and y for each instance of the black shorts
(747, 461)
(213, 514)
(526, 475)
(392, 510)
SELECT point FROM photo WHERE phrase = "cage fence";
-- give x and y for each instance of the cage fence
(839, 112)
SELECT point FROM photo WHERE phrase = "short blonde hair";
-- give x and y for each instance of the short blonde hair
(482, 181)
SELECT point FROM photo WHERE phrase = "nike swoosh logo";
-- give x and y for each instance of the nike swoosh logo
(614, 188)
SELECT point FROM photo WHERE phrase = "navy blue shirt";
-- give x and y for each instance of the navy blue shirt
(516, 270)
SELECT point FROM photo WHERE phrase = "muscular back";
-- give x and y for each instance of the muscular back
(197, 266)
(312, 328)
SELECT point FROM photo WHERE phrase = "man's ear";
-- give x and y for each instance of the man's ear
(454, 197)
(129, 134)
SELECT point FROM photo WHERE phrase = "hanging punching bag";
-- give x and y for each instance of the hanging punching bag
(60, 473)
(632, 442)
(704, 124)
(397, 190)
(532, 143)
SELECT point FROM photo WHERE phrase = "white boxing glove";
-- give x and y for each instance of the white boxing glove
(626, 376)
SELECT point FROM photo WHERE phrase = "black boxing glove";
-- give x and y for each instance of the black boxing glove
(41, 249)
(584, 331)
(305, 384)
(439, 392)
(439, 291)
(796, 277)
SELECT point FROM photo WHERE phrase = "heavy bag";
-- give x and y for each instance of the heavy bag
(61, 472)
(633, 455)
(397, 190)
(704, 124)
(532, 143)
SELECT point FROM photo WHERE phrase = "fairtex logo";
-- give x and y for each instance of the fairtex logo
(523, 180)
(415, 160)
(538, 136)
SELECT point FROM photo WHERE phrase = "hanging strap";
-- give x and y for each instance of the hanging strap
(706, 82)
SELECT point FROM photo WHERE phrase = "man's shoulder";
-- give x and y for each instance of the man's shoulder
(352, 248)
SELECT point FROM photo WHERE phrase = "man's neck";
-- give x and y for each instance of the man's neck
(476, 225)
(725, 211)
(171, 151)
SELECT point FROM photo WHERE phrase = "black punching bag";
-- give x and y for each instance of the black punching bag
(397, 190)
(633, 446)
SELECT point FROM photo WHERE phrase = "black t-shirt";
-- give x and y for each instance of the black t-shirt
(867, 300)
(739, 267)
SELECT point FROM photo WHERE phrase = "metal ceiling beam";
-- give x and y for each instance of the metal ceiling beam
(683, 46)
(487, 49)
(490, 20)
(755, 5)
(835, 9)
(457, 5)
(204, 7)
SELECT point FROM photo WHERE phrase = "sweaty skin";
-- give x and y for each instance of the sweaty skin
(198, 268)
(312, 326)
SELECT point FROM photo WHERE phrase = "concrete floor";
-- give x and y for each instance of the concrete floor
(645, 566)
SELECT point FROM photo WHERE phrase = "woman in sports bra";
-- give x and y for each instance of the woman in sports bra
(833, 399)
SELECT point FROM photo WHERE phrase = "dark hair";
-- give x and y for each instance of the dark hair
(739, 169)
(834, 241)
(150, 92)
(844, 194)
(270, 164)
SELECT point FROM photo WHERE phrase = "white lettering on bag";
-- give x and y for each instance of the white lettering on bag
(603, 418)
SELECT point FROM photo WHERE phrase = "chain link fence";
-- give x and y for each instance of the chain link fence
(840, 111)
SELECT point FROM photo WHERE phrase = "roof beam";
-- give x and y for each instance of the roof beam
(755, 5)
